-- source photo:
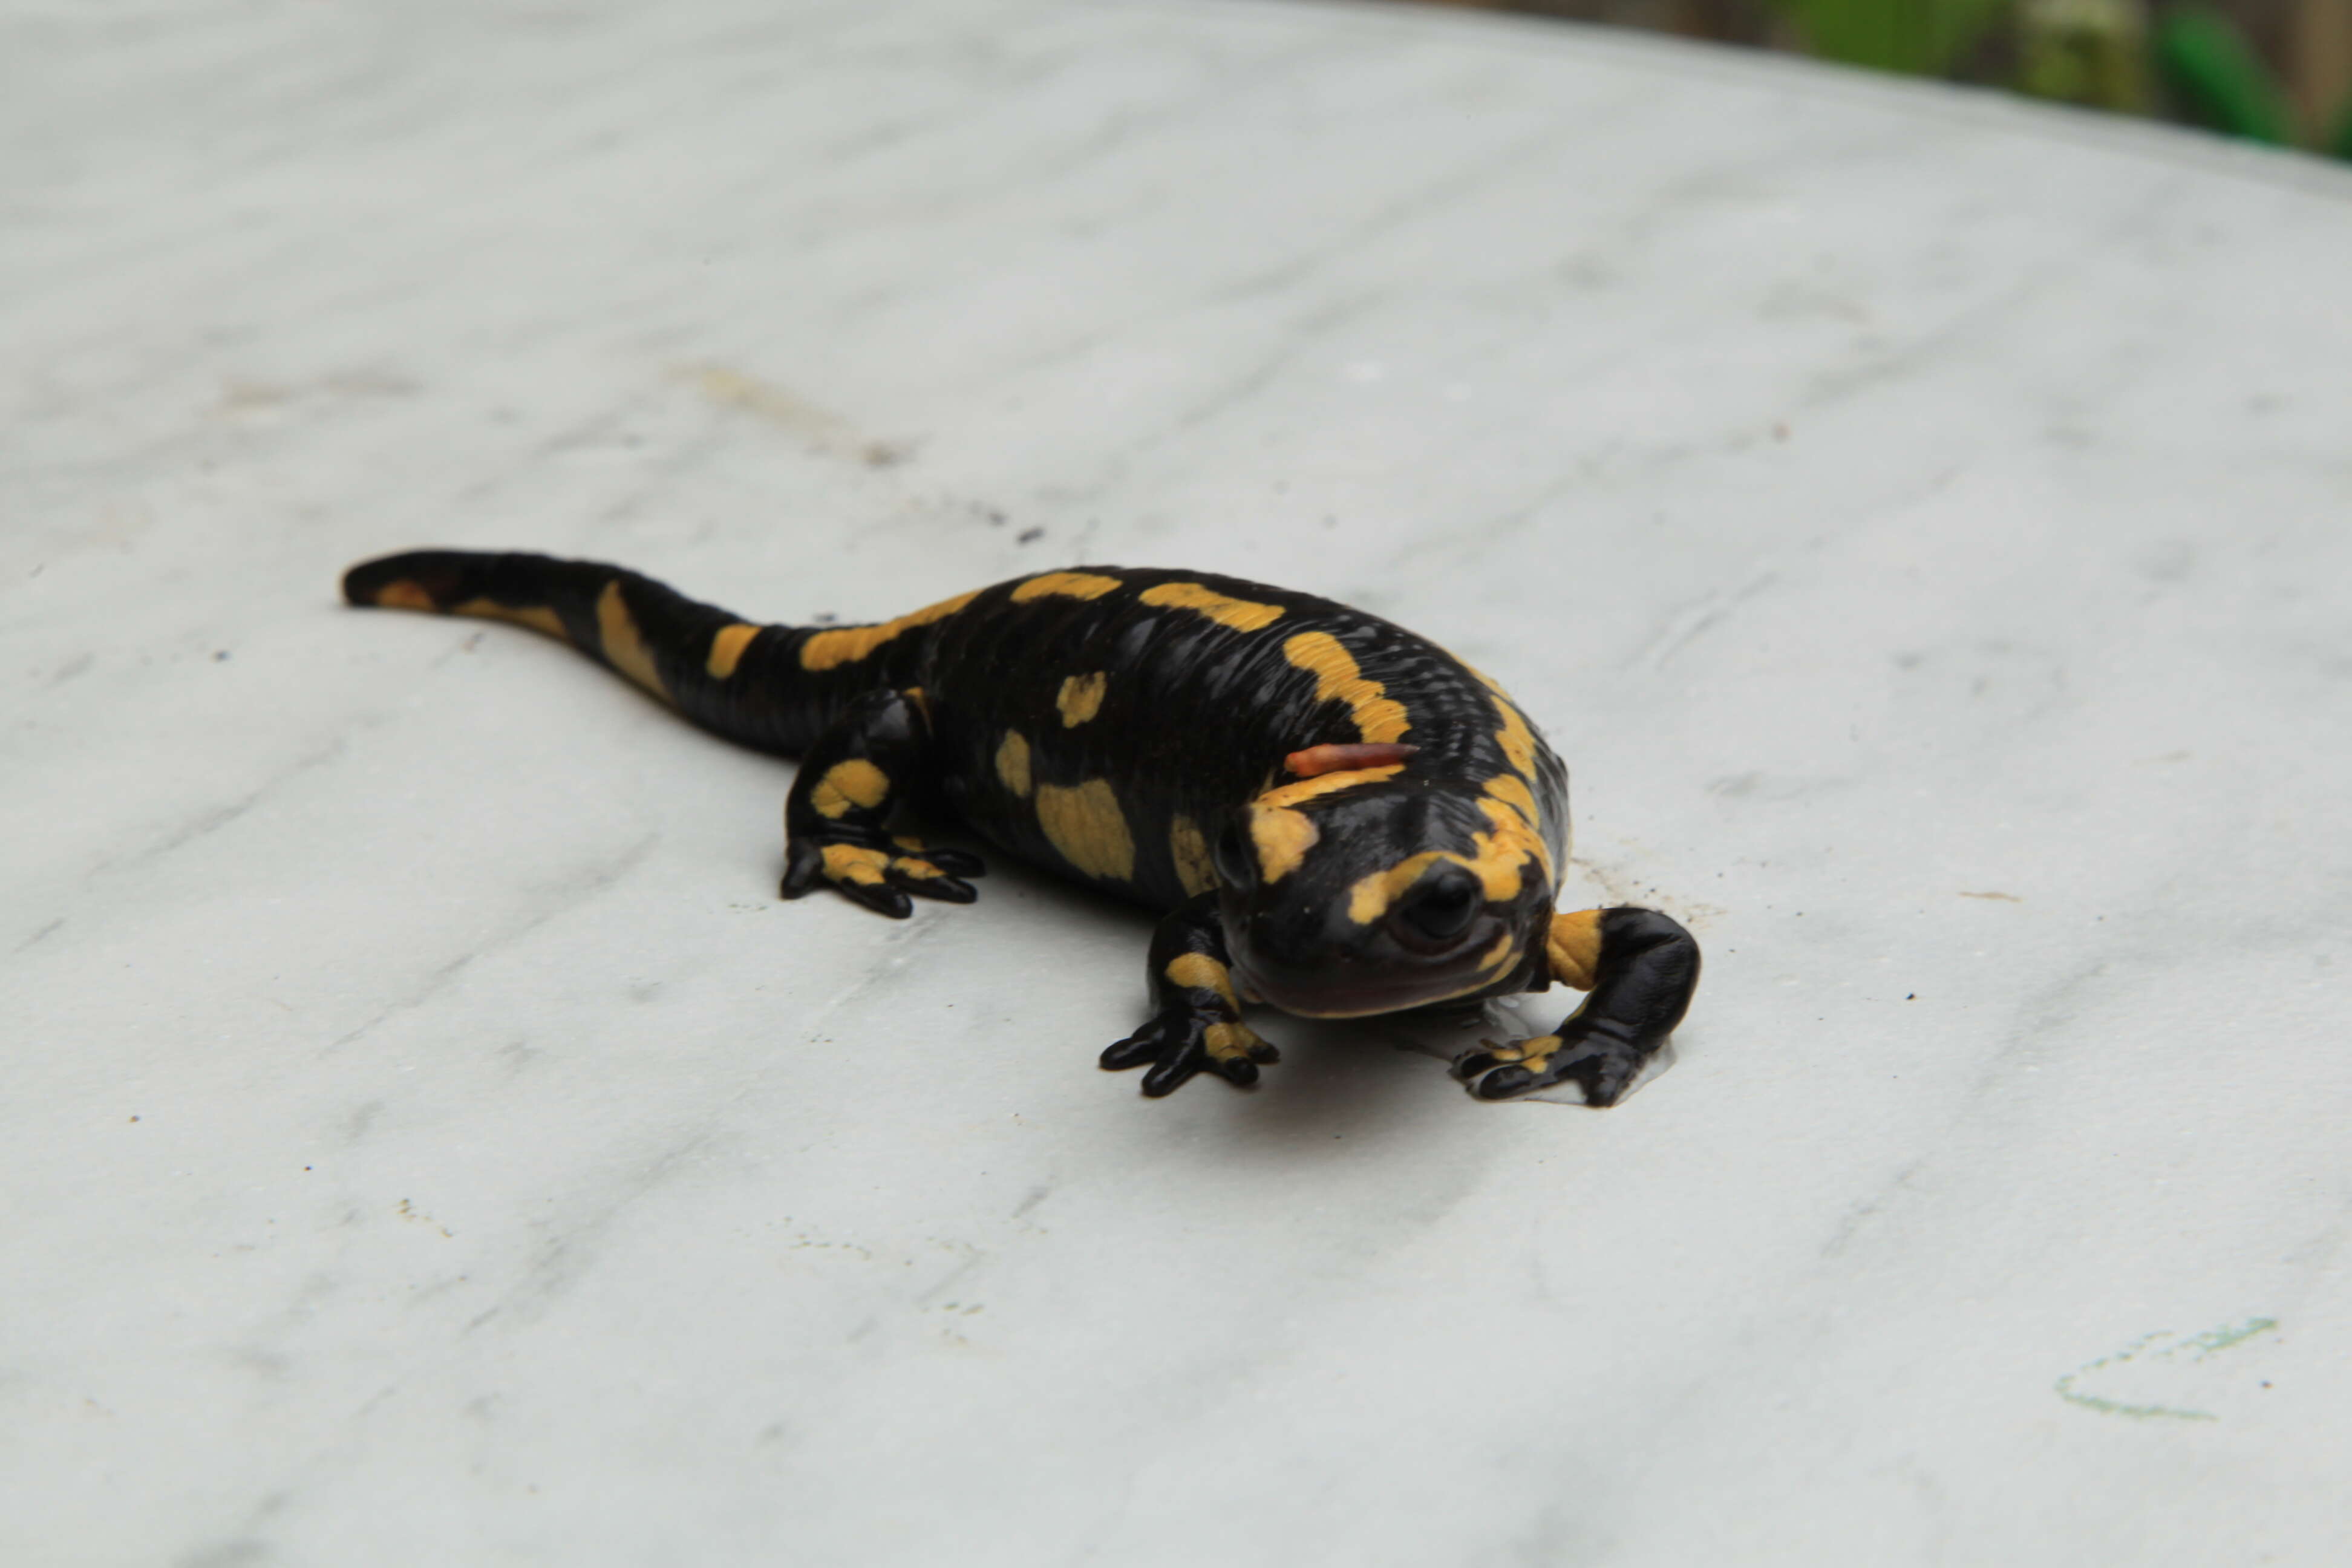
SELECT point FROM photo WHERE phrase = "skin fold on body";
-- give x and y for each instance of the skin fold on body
(1335, 816)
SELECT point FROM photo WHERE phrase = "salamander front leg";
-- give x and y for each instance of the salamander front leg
(1196, 1024)
(834, 819)
(1640, 966)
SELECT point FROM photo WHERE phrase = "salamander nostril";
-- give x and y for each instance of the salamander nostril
(1441, 906)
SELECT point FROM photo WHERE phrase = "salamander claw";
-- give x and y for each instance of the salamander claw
(1180, 1043)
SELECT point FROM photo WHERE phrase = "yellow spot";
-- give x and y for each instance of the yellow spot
(922, 871)
(1085, 825)
(1371, 897)
(1536, 1055)
(852, 782)
(1573, 946)
(1065, 585)
(1196, 872)
(854, 863)
(1081, 698)
(1499, 864)
(1502, 852)
(1226, 1041)
(538, 618)
(1518, 742)
(1012, 763)
(846, 645)
(1512, 792)
(619, 632)
(1325, 784)
(727, 649)
(1242, 615)
(1199, 971)
(1378, 717)
(404, 594)
(1506, 948)
(1283, 837)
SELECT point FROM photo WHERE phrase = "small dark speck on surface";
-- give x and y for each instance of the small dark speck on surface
(1914, 997)
(220, 656)
(1029, 536)
(824, 617)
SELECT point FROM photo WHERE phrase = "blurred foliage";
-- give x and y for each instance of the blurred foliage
(1919, 37)
(2217, 79)
(2091, 52)
(2277, 71)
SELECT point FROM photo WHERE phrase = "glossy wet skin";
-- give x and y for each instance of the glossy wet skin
(1388, 906)
(1335, 815)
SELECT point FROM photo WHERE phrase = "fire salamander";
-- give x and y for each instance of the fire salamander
(1337, 817)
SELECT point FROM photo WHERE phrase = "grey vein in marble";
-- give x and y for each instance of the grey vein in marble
(1917, 518)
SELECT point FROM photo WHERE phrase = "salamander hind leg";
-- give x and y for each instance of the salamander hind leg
(1196, 1023)
(1641, 967)
(835, 819)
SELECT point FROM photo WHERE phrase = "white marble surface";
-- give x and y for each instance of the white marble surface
(1920, 520)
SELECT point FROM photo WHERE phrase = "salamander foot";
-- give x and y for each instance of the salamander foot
(880, 878)
(1180, 1042)
(1597, 1065)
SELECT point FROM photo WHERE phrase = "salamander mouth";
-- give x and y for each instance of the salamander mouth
(1362, 989)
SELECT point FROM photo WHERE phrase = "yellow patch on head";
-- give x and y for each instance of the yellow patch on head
(847, 645)
(852, 782)
(1512, 791)
(1012, 763)
(1506, 948)
(1502, 852)
(1081, 698)
(538, 618)
(626, 650)
(404, 594)
(1517, 740)
(727, 649)
(1196, 870)
(1242, 615)
(1087, 825)
(1499, 864)
(1378, 717)
(854, 863)
(1370, 895)
(1283, 837)
(1199, 971)
(1065, 585)
(1573, 947)
(1327, 784)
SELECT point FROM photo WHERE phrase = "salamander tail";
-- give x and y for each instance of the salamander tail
(713, 666)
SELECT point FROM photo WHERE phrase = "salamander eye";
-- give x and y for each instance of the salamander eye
(1438, 908)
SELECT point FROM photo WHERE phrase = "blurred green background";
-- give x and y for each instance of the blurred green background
(2278, 71)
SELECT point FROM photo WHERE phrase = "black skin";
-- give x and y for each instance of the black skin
(1125, 728)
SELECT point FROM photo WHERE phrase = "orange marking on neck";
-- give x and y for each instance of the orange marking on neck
(1334, 759)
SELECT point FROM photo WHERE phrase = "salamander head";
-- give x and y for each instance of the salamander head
(1379, 892)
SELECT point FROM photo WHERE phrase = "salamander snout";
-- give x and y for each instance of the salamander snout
(1359, 910)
